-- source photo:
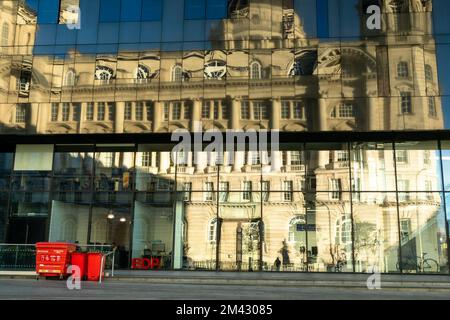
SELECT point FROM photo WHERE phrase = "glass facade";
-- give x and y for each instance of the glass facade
(105, 73)
(317, 207)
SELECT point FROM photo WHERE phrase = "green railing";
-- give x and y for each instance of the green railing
(17, 257)
(22, 257)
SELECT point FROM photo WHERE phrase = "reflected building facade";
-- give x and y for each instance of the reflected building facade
(310, 205)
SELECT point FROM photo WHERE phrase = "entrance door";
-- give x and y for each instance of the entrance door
(26, 230)
(240, 245)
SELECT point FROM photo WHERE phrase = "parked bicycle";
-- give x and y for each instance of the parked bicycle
(422, 264)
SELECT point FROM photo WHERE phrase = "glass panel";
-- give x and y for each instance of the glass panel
(111, 224)
(423, 234)
(375, 221)
(285, 234)
(153, 232)
(328, 168)
(372, 167)
(201, 230)
(446, 164)
(69, 221)
(114, 171)
(329, 231)
(418, 166)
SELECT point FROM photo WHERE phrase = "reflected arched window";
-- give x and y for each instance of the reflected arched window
(255, 70)
(177, 73)
(69, 230)
(142, 73)
(295, 228)
(402, 70)
(344, 230)
(296, 69)
(69, 79)
(428, 73)
(212, 231)
(5, 34)
(103, 73)
(215, 69)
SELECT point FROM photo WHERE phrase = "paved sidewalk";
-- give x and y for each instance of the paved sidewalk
(123, 290)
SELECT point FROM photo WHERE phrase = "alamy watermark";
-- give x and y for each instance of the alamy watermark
(374, 20)
(265, 142)
(374, 280)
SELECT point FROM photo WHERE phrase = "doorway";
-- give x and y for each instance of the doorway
(26, 230)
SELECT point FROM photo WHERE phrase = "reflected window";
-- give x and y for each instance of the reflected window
(128, 110)
(212, 231)
(401, 156)
(187, 187)
(65, 112)
(223, 191)
(296, 158)
(428, 73)
(206, 110)
(143, 74)
(299, 110)
(209, 191)
(405, 230)
(346, 110)
(54, 112)
(402, 70)
(255, 70)
(5, 34)
(405, 102)
(146, 159)
(285, 110)
(166, 111)
(336, 189)
(139, 111)
(176, 111)
(245, 110)
(21, 113)
(288, 187)
(238, 9)
(403, 188)
(344, 230)
(260, 110)
(111, 110)
(177, 73)
(101, 111)
(215, 69)
(265, 187)
(69, 79)
(296, 69)
(103, 73)
(432, 112)
(90, 111)
(247, 191)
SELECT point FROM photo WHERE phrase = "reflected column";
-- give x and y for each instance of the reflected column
(119, 117)
(322, 113)
(196, 115)
(157, 115)
(83, 107)
(235, 113)
(275, 115)
(372, 113)
(32, 119)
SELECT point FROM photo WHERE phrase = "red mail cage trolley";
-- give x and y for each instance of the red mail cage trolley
(53, 258)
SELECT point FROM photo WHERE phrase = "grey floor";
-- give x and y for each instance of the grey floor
(124, 290)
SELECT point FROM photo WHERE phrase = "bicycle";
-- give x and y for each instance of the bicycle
(421, 264)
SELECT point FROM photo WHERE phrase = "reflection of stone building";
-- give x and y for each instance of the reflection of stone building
(259, 75)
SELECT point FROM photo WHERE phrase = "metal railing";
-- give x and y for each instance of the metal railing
(21, 257)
